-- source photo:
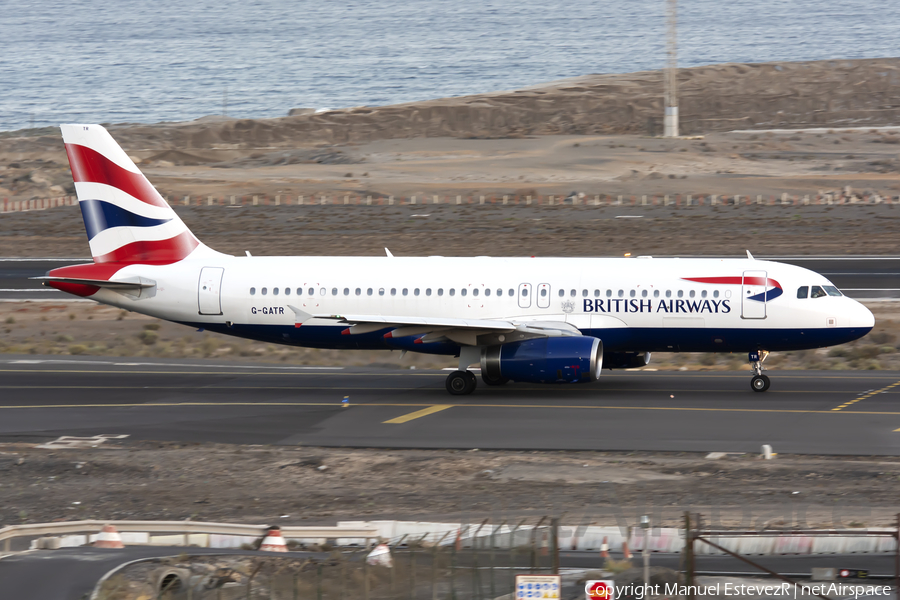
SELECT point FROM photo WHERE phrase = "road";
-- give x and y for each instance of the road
(839, 413)
(858, 276)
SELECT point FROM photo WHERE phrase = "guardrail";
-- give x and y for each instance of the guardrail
(7, 534)
(676, 200)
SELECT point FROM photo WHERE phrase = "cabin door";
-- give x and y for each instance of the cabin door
(209, 290)
(753, 295)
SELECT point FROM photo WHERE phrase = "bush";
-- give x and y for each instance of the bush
(65, 338)
(77, 349)
(151, 327)
(148, 338)
(882, 337)
(10, 320)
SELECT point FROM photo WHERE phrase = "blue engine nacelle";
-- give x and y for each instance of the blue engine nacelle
(545, 360)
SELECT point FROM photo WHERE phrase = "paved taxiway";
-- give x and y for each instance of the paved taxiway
(860, 277)
(804, 412)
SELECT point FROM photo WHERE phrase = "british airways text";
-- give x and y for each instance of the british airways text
(635, 305)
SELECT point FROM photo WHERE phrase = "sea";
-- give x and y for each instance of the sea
(176, 60)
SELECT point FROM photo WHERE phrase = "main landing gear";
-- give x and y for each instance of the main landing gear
(461, 383)
(759, 383)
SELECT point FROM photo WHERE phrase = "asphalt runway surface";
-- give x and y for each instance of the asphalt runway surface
(830, 412)
(859, 277)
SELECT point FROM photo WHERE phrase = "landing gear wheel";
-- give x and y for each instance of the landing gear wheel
(461, 383)
(760, 383)
(499, 380)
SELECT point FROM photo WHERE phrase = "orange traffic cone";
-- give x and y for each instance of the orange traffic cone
(273, 542)
(604, 548)
(626, 553)
(109, 538)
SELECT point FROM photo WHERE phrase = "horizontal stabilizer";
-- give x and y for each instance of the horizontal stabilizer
(133, 283)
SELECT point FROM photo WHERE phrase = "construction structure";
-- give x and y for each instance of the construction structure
(670, 121)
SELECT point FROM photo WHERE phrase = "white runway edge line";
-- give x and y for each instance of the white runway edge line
(156, 364)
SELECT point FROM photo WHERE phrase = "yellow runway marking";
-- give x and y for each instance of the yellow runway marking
(866, 396)
(420, 413)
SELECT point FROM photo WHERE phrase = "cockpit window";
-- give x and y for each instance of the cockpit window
(803, 291)
(817, 292)
(832, 290)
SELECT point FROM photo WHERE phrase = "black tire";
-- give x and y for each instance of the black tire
(500, 380)
(759, 383)
(460, 383)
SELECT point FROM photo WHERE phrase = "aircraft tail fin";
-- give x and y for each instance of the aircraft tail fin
(126, 219)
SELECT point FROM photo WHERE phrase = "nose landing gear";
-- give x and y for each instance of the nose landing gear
(759, 382)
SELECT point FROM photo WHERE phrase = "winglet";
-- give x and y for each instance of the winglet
(300, 317)
(750, 256)
(388, 252)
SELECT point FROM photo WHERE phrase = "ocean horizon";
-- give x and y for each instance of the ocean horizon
(130, 61)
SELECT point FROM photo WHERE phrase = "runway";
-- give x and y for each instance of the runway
(840, 413)
(860, 277)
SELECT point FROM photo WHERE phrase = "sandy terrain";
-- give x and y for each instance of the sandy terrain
(263, 484)
(590, 134)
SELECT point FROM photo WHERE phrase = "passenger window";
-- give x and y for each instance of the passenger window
(832, 291)
(346, 291)
(572, 293)
(322, 291)
(475, 292)
(428, 292)
(358, 291)
(692, 293)
(815, 292)
(381, 291)
(311, 291)
(416, 292)
(265, 291)
(369, 292)
(543, 292)
(803, 291)
(462, 292)
(252, 291)
(406, 291)
(715, 293)
(643, 293)
(631, 293)
(703, 294)
(668, 293)
(334, 291)
(621, 293)
(562, 293)
(609, 293)
(487, 291)
(596, 293)
(680, 294)
(287, 291)
(274, 291)
(656, 293)
(299, 291)
(584, 293)
(524, 292)
(393, 291)
(440, 291)
(512, 292)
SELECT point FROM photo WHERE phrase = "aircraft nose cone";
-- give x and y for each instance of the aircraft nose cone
(863, 317)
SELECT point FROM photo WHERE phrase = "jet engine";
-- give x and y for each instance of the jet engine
(627, 360)
(545, 360)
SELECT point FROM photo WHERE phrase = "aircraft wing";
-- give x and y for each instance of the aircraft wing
(469, 332)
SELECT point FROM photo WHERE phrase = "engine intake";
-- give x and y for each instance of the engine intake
(545, 360)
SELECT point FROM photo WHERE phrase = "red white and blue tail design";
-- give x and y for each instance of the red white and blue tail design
(126, 219)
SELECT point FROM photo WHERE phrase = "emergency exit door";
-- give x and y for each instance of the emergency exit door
(753, 295)
(209, 290)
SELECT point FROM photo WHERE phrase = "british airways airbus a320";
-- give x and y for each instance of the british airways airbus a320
(540, 320)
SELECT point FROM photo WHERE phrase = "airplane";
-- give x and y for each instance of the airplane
(536, 320)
